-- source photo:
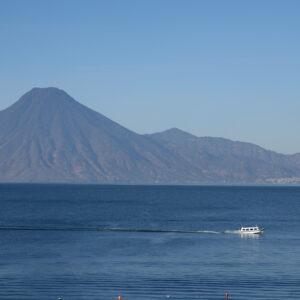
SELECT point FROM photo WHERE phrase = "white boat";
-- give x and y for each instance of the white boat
(251, 230)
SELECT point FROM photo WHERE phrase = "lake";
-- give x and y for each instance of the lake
(59, 260)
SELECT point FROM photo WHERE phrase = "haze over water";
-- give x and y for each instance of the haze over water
(45, 264)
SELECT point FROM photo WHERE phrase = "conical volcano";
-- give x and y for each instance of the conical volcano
(47, 136)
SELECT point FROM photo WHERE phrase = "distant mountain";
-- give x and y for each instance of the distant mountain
(47, 136)
(226, 161)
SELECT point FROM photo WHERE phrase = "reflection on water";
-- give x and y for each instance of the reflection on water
(250, 236)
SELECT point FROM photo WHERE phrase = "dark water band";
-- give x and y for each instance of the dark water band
(31, 228)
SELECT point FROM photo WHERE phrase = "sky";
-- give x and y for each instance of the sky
(210, 67)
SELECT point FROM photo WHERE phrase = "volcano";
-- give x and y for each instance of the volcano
(47, 136)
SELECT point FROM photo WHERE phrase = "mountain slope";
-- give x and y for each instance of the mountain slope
(226, 161)
(47, 136)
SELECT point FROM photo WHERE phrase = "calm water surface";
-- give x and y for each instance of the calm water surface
(39, 264)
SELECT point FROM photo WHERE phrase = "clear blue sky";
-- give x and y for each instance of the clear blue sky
(212, 68)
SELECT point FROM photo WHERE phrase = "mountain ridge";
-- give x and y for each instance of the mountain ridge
(47, 136)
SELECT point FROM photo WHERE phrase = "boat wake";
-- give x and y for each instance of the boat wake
(232, 231)
(37, 228)
(29, 228)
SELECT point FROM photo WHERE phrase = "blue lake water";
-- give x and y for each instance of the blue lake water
(87, 264)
